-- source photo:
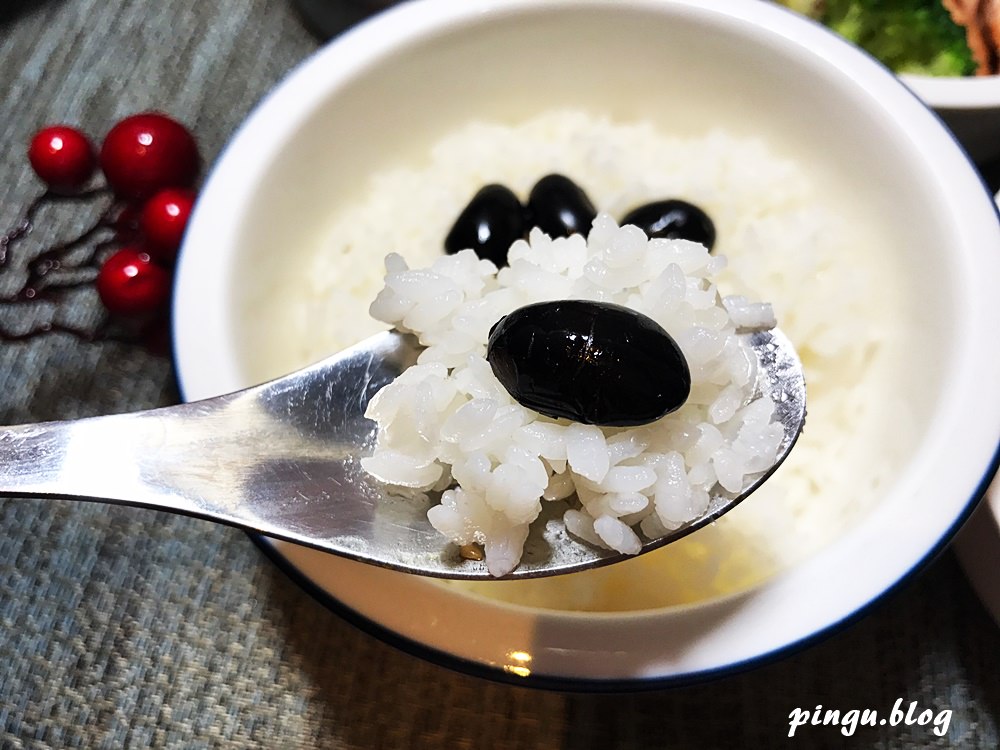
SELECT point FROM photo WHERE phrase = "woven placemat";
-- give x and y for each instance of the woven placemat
(122, 628)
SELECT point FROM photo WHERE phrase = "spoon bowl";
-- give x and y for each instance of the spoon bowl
(282, 459)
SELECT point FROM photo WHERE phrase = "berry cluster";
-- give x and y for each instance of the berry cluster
(150, 163)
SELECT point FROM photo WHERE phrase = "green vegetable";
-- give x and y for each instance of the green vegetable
(909, 36)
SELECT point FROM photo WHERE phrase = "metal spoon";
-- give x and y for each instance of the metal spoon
(281, 459)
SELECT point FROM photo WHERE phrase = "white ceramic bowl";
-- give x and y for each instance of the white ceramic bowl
(969, 106)
(391, 86)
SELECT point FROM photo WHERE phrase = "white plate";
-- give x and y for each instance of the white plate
(970, 107)
(978, 546)
(978, 549)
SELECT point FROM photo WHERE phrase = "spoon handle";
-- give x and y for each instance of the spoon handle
(141, 458)
(279, 458)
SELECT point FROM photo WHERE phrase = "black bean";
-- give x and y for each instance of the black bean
(559, 207)
(590, 362)
(673, 220)
(489, 224)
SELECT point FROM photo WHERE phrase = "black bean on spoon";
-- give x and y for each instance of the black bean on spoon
(559, 207)
(489, 224)
(673, 219)
(591, 362)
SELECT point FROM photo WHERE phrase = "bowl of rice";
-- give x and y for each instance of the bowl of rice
(836, 196)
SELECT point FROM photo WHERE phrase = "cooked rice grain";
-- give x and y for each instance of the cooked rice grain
(449, 419)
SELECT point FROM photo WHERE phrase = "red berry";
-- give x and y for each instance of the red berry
(164, 218)
(62, 157)
(131, 284)
(148, 152)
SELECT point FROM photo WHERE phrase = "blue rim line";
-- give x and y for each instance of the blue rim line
(631, 685)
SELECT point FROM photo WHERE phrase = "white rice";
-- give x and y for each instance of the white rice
(447, 422)
(793, 234)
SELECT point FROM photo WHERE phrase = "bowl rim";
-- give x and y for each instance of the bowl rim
(206, 359)
(590, 684)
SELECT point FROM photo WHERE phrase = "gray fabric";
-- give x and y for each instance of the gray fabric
(125, 628)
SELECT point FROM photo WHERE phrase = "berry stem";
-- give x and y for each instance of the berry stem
(55, 258)
(25, 226)
(22, 228)
(103, 332)
(39, 286)
(48, 327)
